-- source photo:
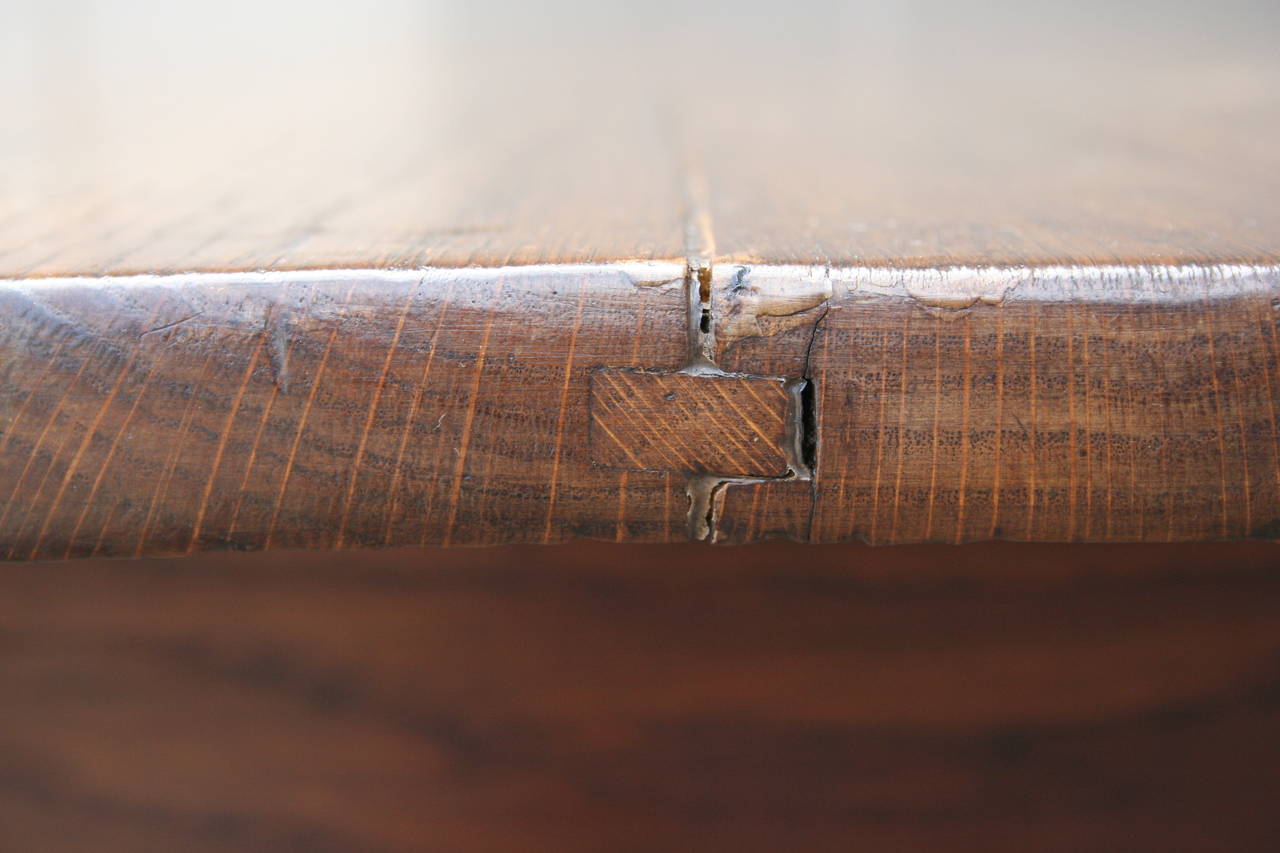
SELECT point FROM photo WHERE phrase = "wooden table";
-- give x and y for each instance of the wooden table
(902, 275)
(347, 276)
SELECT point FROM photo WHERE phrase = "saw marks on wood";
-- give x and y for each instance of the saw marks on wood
(165, 415)
(355, 291)
(729, 425)
(1062, 405)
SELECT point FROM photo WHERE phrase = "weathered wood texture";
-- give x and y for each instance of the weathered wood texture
(985, 698)
(1029, 293)
(367, 409)
(1100, 404)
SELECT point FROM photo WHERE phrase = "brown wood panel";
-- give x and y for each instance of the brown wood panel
(990, 698)
(742, 513)
(170, 415)
(685, 423)
(1024, 255)
(1062, 405)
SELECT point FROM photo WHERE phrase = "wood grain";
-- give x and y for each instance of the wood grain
(990, 698)
(1025, 265)
(735, 426)
(172, 415)
(281, 136)
(1065, 405)
(937, 135)
(920, 134)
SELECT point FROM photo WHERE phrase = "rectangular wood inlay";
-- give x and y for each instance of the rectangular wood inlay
(732, 425)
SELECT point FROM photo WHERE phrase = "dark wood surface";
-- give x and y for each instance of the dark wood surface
(998, 697)
(341, 275)
(1019, 264)
(367, 409)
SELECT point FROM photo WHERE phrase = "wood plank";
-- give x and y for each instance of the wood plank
(1028, 288)
(689, 424)
(365, 408)
(1063, 405)
(942, 135)
(281, 136)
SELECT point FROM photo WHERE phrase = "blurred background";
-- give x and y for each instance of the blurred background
(611, 697)
(126, 105)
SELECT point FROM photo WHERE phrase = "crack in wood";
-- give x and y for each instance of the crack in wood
(706, 491)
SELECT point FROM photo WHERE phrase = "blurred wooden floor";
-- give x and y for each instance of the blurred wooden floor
(592, 697)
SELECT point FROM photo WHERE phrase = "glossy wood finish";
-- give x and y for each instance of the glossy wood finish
(1024, 260)
(989, 698)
